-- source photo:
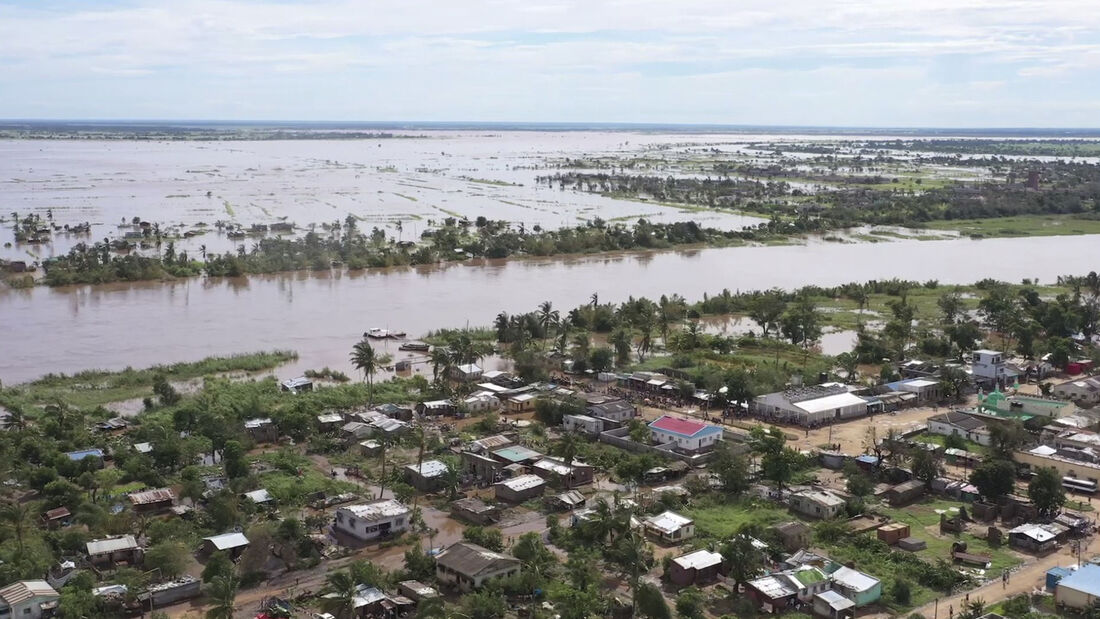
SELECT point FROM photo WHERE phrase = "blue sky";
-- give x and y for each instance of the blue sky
(943, 63)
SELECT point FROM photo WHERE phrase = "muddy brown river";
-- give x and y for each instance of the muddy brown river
(322, 315)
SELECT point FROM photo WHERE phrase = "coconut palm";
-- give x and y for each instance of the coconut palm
(338, 595)
(367, 361)
(16, 517)
(223, 594)
(547, 316)
(567, 449)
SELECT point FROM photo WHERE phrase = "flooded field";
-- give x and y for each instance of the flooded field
(321, 316)
(400, 185)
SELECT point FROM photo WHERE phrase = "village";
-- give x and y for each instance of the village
(828, 499)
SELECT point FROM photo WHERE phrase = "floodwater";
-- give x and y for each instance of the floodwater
(322, 315)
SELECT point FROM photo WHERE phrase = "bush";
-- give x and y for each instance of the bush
(901, 592)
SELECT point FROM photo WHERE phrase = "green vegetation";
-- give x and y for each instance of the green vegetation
(1024, 225)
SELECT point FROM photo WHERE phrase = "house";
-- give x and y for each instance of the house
(905, 493)
(395, 411)
(892, 532)
(327, 422)
(616, 409)
(772, 593)
(466, 373)
(55, 518)
(811, 406)
(519, 489)
(262, 430)
(960, 424)
(1080, 391)
(832, 605)
(143, 448)
(989, 367)
(925, 389)
(582, 424)
(686, 435)
(695, 568)
(1034, 538)
(468, 566)
(436, 408)
(297, 385)
(1080, 590)
(152, 501)
(1046, 456)
(559, 474)
(111, 551)
(816, 503)
(793, 535)
(517, 454)
(522, 403)
(489, 443)
(567, 501)
(416, 590)
(84, 456)
(428, 476)
(368, 521)
(481, 466)
(856, 586)
(669, 527)
(481, 402)
(259, 497)
(232, 543)
(475, 510)
(28, 599)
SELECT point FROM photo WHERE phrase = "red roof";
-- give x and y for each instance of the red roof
(680, 426)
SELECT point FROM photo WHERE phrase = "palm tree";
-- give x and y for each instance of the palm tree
(620, 339)
(421, 440)
(567, 448)
(860, 297)
(384, 441)
(223, 593)
(501, 323)
(16, 516)
(441, 362)
(547, 316)
(595, 299)
(366, 360)
(339, 594)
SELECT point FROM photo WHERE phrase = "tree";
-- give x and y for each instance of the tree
(233, 457)
(690, 603)
(384, 440)
(223, 595)
(953, 382)
(488, 603)
(925, 465)
(419, 565)
(801, 323)
(431, 608)
(732, 469)
(650, 603)
(338, 595)
(777, 460)
(629, 553)
(994, 478)
(744, 560)
(901, 591)
(1005, 438)
(858, 483)
(567, 449)
(168, 557)
(367, 361)
(951, 306)
(766, 309)
(218, 565)
(489, 537)
(621, 341)
(1046, 492)
(16, 517)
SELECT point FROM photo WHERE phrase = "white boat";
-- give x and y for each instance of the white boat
(377, 333)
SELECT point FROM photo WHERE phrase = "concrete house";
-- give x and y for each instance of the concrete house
(989, 367)
(28, 599)
(558, 474)
(669, 527)
(777, 591)
(1080, 391)
(466, 373)
(427, 477)
(856, 586)
(695, 568)
(905, 493)
(832, 605)
(374, 520)
(475, 510)
(960, 424)
(1080, 589)
(816, 503)
(520, 489)
(688, 436)
(793, 535)
(112, 551)
(481, 402)
(614, 409)
(582, 424)
(925, 389)
(468, 566)
(262, 430)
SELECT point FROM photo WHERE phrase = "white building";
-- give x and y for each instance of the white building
(1082, 391)
(687, 435)
(816, 503)
(990, 366)
(670, 527)
(813, 405)
(481, 402)
(28, 599)
(960, 424)
(582, 424)
(373, 520)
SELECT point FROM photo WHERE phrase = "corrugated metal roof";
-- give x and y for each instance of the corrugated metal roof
(378, 510)
(667, 522)
(523, 482)
(227, 541)
(700, 559)
(152, 496)
(112, 544)
(470, 559)
(24, 590)
(854, 580)
(428, 469)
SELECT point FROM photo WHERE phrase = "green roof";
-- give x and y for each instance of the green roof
(809, 577)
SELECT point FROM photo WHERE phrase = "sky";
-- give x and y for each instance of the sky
(873, 63)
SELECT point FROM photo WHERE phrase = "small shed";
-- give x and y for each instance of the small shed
(233, 543)
(891, 533)
(695, 568)
(475, 510)
(905, 493)
(519, 489)
(297, 385)
(912, 544)
(793, 535)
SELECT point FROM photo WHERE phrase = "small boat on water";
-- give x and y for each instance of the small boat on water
(414, 346)
(381, 334)
(397, 335)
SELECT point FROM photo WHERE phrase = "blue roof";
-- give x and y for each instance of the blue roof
(84, 453)
(1060, 571)
(868, 458)
(1086, 580)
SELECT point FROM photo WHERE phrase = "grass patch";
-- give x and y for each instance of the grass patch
(1023, 225)
(720, 521)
